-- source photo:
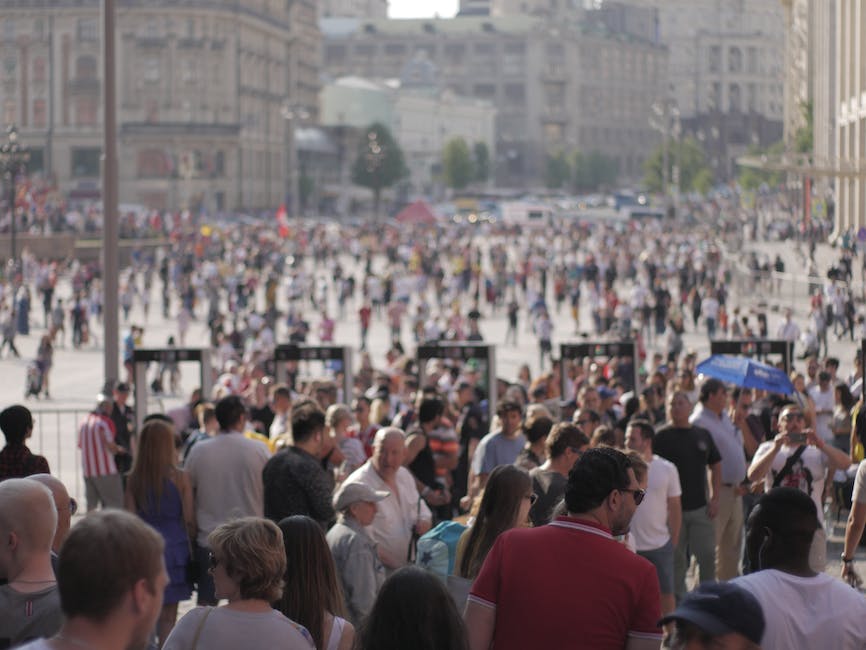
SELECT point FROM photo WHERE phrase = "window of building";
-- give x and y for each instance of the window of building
(735, 60)
(39, 69)
(715, 58)
(39, 29)
(335, 53)
(735, 104)
(154, 163)
(9, 114)
(36, 164)
(10, 63)
(484, 91)
(219, 164)
(150, 68)
(151, 28)
(87, 29)
(752, 60)
(85, 67)
(40, 113)
(485, 49)
(365, 49)
(395, 49)
(9, 30)
(85, 111)
(515, 93)
(85, 162)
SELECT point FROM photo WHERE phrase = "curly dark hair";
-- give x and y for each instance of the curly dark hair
(594, 476)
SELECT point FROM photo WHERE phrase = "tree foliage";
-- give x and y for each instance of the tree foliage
(482, 161)
(379, 162)
(557, 171)
(458, 168)
(804, 137)
(751, 179)
(695, 172)
(593, 171)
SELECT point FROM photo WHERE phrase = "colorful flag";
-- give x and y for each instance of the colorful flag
(283, 221)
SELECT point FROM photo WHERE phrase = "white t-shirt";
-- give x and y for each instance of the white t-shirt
(649, 526)
(860, 483)
(824, 401)
(817, 612)
(807, 474)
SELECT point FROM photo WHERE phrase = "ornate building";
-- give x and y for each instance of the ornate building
(201, 87)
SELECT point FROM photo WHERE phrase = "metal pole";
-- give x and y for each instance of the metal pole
(109, 198)
(13, 229)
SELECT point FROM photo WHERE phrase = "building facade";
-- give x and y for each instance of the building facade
(369, 9)
(200, 88)
(727, 72)
(851, 114)
(557, 85)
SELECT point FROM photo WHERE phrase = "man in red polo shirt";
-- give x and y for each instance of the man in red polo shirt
(570, 584)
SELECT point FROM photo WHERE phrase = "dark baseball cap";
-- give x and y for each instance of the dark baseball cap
(720, 608)
(122, 387)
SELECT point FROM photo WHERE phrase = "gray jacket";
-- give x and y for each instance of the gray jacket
(358, 565)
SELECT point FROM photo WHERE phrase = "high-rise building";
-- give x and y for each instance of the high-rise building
(474, 8)
(200, 92)
(557, 85)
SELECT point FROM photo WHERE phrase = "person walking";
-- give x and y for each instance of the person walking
(96, 440)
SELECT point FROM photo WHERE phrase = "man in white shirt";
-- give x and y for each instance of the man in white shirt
(655, 527)
(226, 476)
(825, 400)
(401, 513)
(780, 463)
(802, 608)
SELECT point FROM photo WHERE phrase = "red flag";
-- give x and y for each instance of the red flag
(283, 221)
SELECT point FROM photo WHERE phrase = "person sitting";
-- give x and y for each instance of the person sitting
(248, 561)
(358, 565)
(16, 460)
(29, 602)
(413, 610)
(312, 595)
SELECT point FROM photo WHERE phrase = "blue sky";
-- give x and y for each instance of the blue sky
(421, 8)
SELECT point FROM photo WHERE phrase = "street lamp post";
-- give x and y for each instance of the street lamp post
(13, 160)
(292, 114)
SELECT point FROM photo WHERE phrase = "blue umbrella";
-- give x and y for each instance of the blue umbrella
(746, 372)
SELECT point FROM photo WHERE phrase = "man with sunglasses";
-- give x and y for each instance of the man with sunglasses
(570, 584)
(797, 457)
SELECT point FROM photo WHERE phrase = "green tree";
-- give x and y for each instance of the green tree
(751, 178)
(379, 162)
(557, 170)
(692, 160)
(457, 166)
(593, 171)
(482, 161)
(804, 137)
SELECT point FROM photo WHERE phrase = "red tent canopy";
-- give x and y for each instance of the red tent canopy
(418, 212)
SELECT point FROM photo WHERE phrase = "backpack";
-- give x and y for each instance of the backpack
(437, 548)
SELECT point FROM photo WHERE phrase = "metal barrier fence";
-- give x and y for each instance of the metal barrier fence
(55, 436)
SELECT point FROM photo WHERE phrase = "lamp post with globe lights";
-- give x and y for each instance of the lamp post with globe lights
(13, 162)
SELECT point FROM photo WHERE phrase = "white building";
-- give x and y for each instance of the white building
(421, 117)
(368, 9)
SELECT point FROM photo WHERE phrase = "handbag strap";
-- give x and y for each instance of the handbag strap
(789, 465)
(199, 628)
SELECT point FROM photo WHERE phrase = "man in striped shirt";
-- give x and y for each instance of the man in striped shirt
(96, 440)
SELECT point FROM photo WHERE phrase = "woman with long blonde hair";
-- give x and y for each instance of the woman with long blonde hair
(161, 494)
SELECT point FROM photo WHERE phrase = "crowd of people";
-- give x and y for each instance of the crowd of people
(570, 514)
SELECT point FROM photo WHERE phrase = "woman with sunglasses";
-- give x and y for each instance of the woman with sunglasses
(505, 504)
(247, 561)
(161, 494)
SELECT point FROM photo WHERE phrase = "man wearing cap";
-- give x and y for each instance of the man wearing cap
(716, 616)
(123, 416)
(803, 608)
(355, 555)
(404, 513)
(96, 440)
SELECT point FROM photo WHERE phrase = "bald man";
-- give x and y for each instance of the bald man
(66, 507)
(29, 602)
(403, 512)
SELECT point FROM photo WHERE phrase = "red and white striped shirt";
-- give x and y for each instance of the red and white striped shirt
(96, 430)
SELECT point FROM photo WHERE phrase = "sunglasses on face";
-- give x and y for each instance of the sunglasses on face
(638, 495)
